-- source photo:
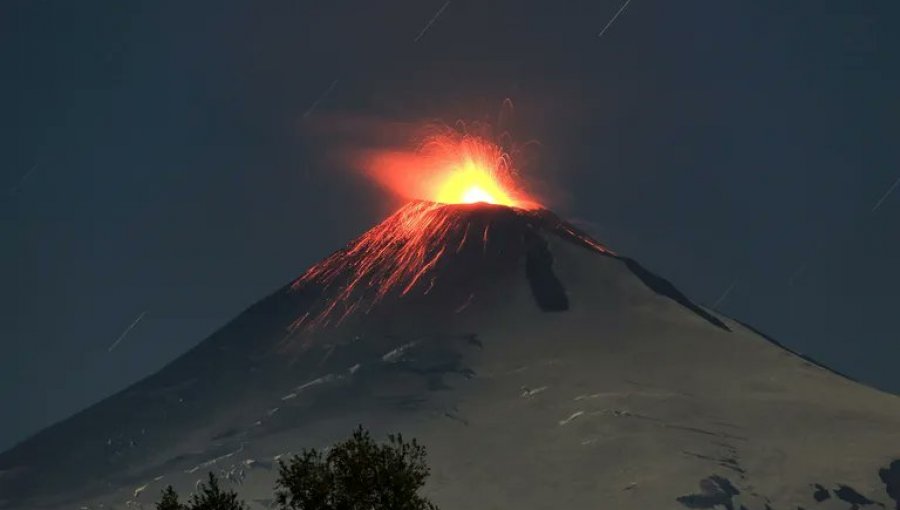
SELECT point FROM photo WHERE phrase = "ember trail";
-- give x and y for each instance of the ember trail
(392, 257)
(451, 169)
(446, 180)
(397, 255)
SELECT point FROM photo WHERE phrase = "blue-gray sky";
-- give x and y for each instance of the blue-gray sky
(154, 162)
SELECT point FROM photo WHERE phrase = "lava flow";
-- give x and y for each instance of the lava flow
(399, 254)
(394, 256)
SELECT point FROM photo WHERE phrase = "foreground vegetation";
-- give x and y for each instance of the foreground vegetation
(356, 474)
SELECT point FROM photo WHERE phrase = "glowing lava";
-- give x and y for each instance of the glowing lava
(393, 256)
(401, 253)
(470, 183)
(476, 195)
(451, 168)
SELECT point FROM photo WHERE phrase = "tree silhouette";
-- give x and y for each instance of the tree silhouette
(169, 500)
(211, 497)
(357, 474)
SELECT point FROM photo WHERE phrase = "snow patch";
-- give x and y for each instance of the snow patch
(215, 460)
(397, 353)
(532, 392)
(139, 491)
(571, 417)
(315, 382)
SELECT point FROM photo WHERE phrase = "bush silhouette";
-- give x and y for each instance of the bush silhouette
(169, 500)
(209, 496)
(357, 474)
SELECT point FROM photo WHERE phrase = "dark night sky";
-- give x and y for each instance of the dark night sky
(153, 160)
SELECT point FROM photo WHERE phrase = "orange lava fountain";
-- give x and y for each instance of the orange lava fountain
(397, 255)
(451, 169)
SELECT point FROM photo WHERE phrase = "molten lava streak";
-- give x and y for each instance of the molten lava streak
(400, 253)
(392, 257)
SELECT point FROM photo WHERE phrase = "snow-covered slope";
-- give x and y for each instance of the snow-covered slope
(540, 370)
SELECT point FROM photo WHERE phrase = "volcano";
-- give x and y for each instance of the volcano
(541, 370)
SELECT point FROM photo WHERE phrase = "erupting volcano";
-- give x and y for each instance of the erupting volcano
(541, 370)
(451, 168)
(401, 253)
(404, 252)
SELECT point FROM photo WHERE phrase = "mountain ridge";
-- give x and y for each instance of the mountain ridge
(514, 295)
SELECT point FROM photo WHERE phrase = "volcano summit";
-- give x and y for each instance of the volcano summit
(542, 371)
